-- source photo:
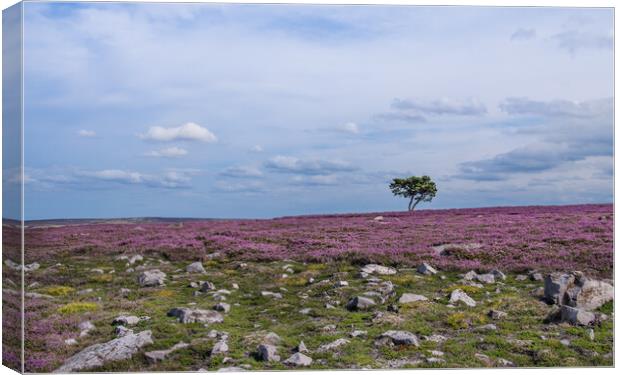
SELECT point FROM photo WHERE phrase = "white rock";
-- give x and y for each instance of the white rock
(195, 267)
(191, 315)
(426, 269)
(400, 338)
(332, 345)
(458, 295)
(410, 298)
(151, 278)
(298, 359)
(378, 269)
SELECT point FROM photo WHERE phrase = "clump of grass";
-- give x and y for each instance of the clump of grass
(465, 288)
(105, 278)
(458, 321)
(165, 293)
(211, 263)
(294, 281)
(316, 267)
(59, 290)
(77, 307)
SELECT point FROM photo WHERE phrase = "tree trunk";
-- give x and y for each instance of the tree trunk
(411, 208)
(410, 203)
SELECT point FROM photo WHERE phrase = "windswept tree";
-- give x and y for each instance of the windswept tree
(417, 189)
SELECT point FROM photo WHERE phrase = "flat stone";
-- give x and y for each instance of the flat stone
(400, 338)
(271, 294)
(126, 320)
(576, 316)
(487, 278)
(220, 347)
(378, 269)
(332, 345)
(426, 269)
(151, 278)
(160, 355)
(496, 314)
(195, 267)
(121, 348)
(458, 295)
(221, 306)
(298, 359)
(360, 303)
(410, 298)
(268, 353)
(190, 315)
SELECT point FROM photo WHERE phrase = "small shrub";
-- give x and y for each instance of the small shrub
(77, 307)
(165, 293)
(105, 278)
(458, 321)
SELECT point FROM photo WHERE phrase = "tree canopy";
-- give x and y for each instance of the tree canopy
(417, 189)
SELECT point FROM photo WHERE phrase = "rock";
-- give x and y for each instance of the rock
(70, 341)
(536, 276)
(18, 267)
(471, 275)
(410, 297)
(271, 338)
(426, 269)
(342, 283)
(135, 258)
(221, 306)
(206, 286)
(484, 359)
(160, 355)
(190, 315)
(229, 369)
(576, 316)
(97, 355)
(565, 342)
(499, 275)
(496, 314)
(301, 348)
(378, 269)
(268, 353)
(378, 218)
(521, 277)
(85, 328)
(305, 311)
(360, 303)
(220, 347)
(487, 327)
(576, 290)
(590, 334)
(328, 328)
(97, 270)
(504, 363)
(126, 320)
(437, 353)
(332, 345)
(195, 267)
(487, 278)
(235, 286)
(271, 294)
(449, 248)
(358, 333)
(400, 338)
(151, 278)
(458, 295)
(85, 291)
(329, 306)
(122, 331)
(298, 359)
(435, 338)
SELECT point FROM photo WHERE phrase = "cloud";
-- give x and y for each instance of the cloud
(168, 179)
(257, 148)
(523, 34)
(317, 180)
(242, 172)
(241, 187)
(87, 133)
(349, 127)
(443, 106)
(559, 108)
(574, 40)
(289, 164)
(187, 132)
(398, 116)
(170, 152)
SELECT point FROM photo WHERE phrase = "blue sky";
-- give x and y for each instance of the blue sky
(199, 110)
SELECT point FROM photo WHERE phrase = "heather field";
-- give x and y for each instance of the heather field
(432, 288)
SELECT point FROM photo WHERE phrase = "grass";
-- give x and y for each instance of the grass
(78, 307)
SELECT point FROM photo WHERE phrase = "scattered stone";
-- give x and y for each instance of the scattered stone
(70, 341)
(271, 294)
(484, 359)
(305, 311)
(360, 303)
(565, 342)
(206, 286)
(410, 298)
(505, 363)
(434, 360)
(378, 218)
(97, 270)
(151, 278)
(426, 269)
(471, 275)
(328, 328)
(190, 315)
(220, 347)
(437, 353)
(499, 275)
(97, 355)
(268, 353)
(329, 306)
(458, 295)
(227, 369)
(221, 306)
(135, 258)
(18, 267)
(85, 291)
(122, 331)
(332, 345)
(195, 267)
(301, 348)
(487, 278)
(235, 286)
(298, 359)
(449, 248)
(536, 276)
(378, 269)
(358, 333)
(435, 338)
(487, 327)
(160, 355)
(576, 316)
(590, 333)
(342, 283)
(126, 320)
(399, 338)
(521, 277)
(85, 328)
(496, 314)
(272, 338)
(576, 290)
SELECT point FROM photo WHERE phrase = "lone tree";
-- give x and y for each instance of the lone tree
(417, 189)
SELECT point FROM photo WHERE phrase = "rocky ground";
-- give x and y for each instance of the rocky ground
(146, 313)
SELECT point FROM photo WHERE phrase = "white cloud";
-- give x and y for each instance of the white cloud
(289, 164)
(170, 152)
(87, 133)
(257, 148)
(186, 132)
(167, 179)
(350, 127)
(523, 34)
(442, 106)
(242, 172)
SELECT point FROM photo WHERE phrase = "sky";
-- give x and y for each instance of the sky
(233, 111)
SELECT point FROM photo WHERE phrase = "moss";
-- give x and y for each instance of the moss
(58, 290)
(78, 307)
